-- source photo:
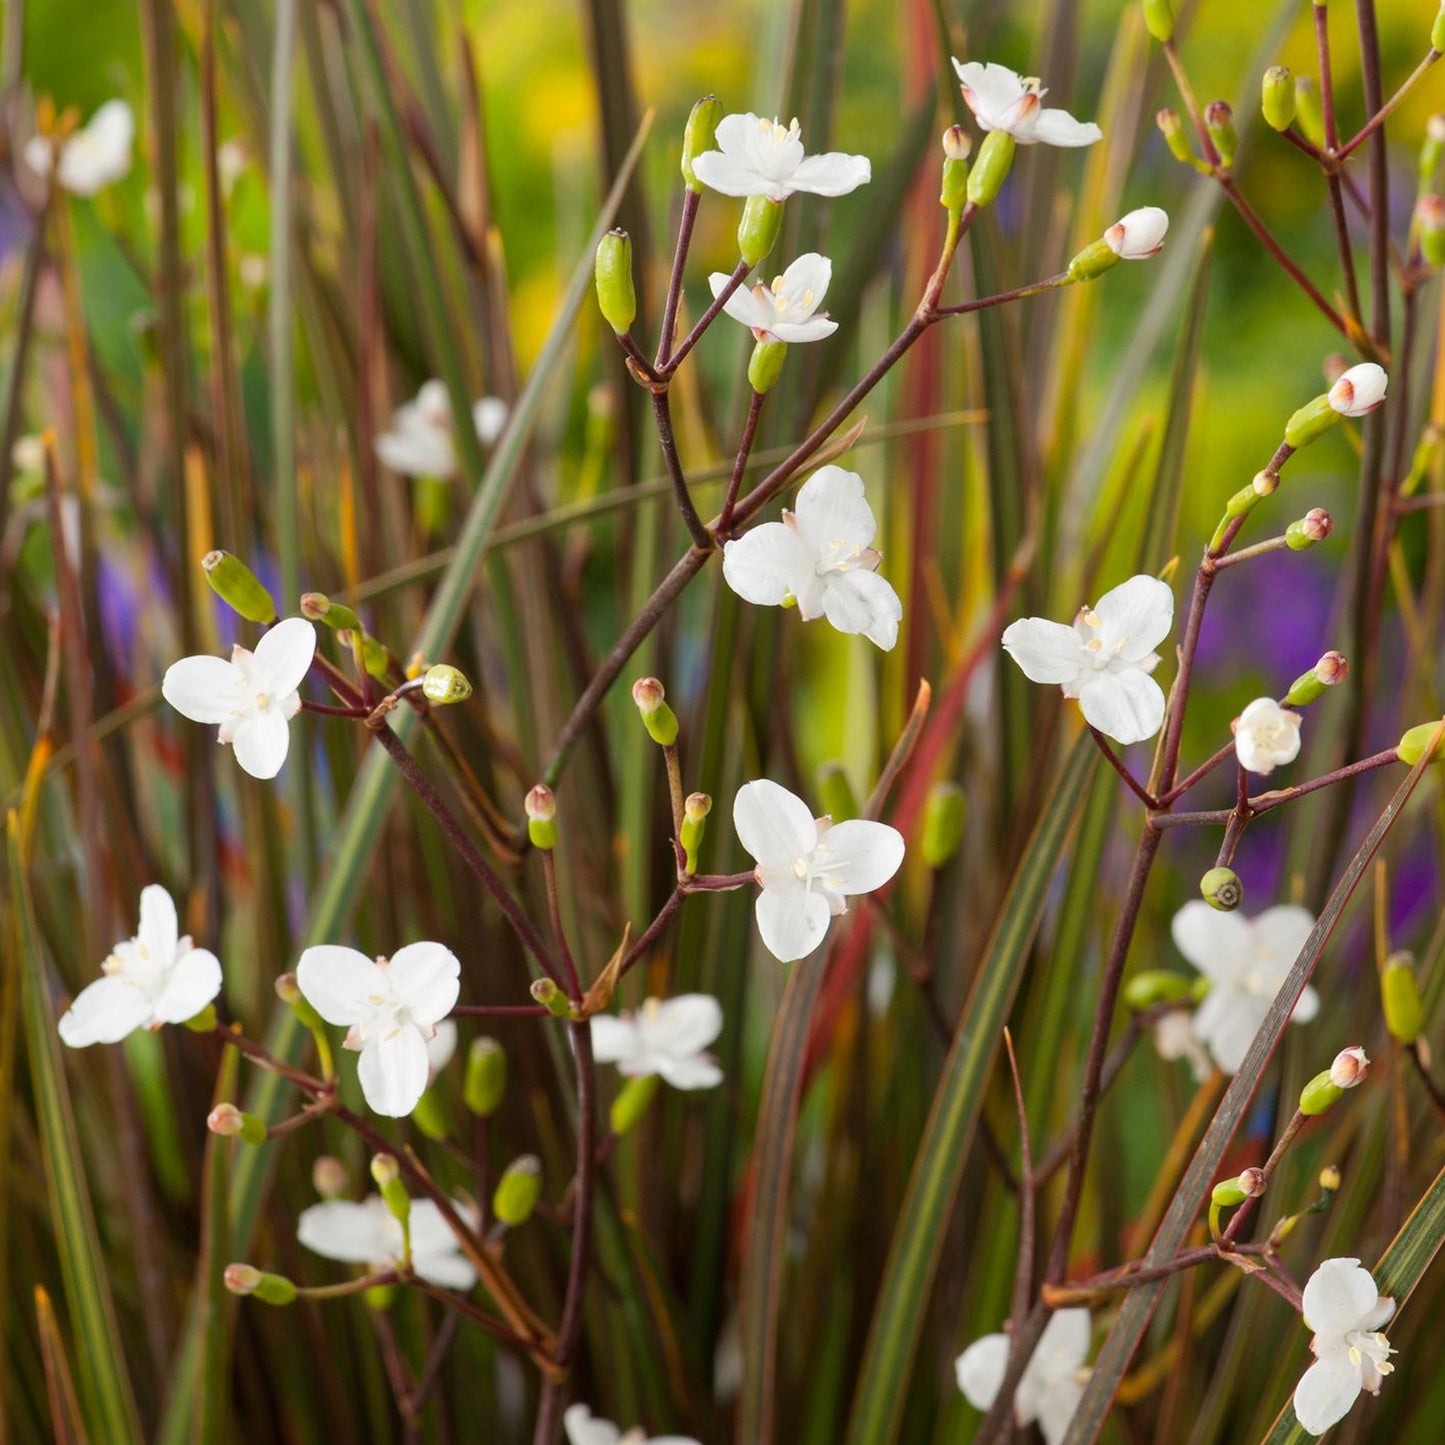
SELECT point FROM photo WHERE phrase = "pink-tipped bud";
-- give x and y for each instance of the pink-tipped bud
(1265, 483)
(1317, 524)
(1359, 390)
(957, 145)
(541, 804)
(329, 1177)
(385, 1170)
(1252, 1183)
(1332, 668)
(1138, 235)
(225, 1120)
(1350, 1067)
(242, 1278)
(649, 694)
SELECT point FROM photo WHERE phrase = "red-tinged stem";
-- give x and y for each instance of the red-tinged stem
(1248, 554)
(662, 416)
(690, 199)
(1378, 119)
(716, 882)
(309, 1083)
(1332, 174)
(326, 709)
(740, 274)
(1117, 763)
(1191, 105)
(1249, 1205)
(501, 1011)
(1437, 1098)
(740, 465)
(1037, 288)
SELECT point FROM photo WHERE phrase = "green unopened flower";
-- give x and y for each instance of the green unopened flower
(759, 228)
(697, 137)
(238, 587)
(616, 293)
(541, 809)
(518, 1191)
(659, 719)
(485, 1081)
(1278, 97)
(1400, 995)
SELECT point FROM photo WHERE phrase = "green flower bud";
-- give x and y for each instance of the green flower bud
(631, 1103)
(1159, 19)
(835, 792)
(229, 1122)
(697, 136)
(1309, 111)
(1416, 742)
(1154, 986)
(1311, 422)
(1310, 686)
(1219, 122)
(991, 169)
(485, 1081)
(659, 719)
(943, 818)
(1091, 263)
(430, 1116)
(956, 149)
(1227, 1194)
(443, 684)
(1221, 889)
(1331, 1179)
(551, 998)
(765, 365)
(1400, 994)
(270, 1289)
(1172, 129)
(1432, 150)
(758, 230)
(374, 658)
(616, 295)
(318, 607)
(541, 807)
(379, 1297)
(1314, 526)
(1319, 1095)
(1278, 100)
(518, 1190)
(1437, 32)
(238, 587)
(289, 992)
(695, 808)
(1430, 227)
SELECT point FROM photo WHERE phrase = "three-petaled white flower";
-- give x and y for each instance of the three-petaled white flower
(1359, 390)
(585, 1428)
(788, 309)
(1138, 235)
(759, 157)
(1105, 658)
(368, 1234)
(1245, 960)
(666, 1037)
(1266, 735)
(820, 556)
(420, 443)
(392, 1007)
(808, 867)
(94, 156)
(1342, 1305)
(1052, 1382)
(1002, 100)
(253, 696)
(155, 978)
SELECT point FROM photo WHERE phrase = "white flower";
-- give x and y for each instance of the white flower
(665, 1037)
(1343, 1307)
(1174, 1038)
(822, 557)
(440, 1048)
(1052, 1383)
(253, 696)
(786, 310)
(807, 868)
(758, 157)
(155, 978)
(1105, 658)
(584, 1428)
(92, 157)
(1001, 100)
(1359, 390)
(420, 444)
(1245, 960)
(1138, 235)
(1266, 735)
(367, 1234)
(392, 1007)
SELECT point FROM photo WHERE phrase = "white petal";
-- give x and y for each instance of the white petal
(427, 978)
(732, 177)
(613, 1039)
(833, 513)
(189, 987)
(745, 305)
(451, 1271)
(261, 742)
(392, 1071)
(489, 416)
(858, 856)
(1282, 931)
(1140, 234)
(352, 1233)
(441, 1047)
(338, 983)
(283, 656)
(104, 1013)
(1059, 128)
(989, 89)
(832, 174)
(774, 825)
(981, 1367)
(697, 1072)
(1326, 1392)
(792, 923)
(683, 1025)
(1126, 706)
(1338, 1296)
(1064, 1344)
(158, 932)
(802, 332)
(808, 276)
(425, 452)
(1056, 1405)
(1045, 651)
(766, 564)
(1217, 944)
(861, 601)
(581, 1426)
(1140, 610)
(204, 689)
(1307, 1007)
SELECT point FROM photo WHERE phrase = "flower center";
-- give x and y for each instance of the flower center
(1370, 1345)
(1089, 622)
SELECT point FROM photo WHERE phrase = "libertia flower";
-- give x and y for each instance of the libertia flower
(392, 1008)
(666, 1037)
(1359, 390)
(1138, 235)
(788, 309)
(821, 557)
(368, 1234)
(1266, 735)
(440, 1048)
(759, 157)
(1105, 658)
(252, 697)
(808, 867)
(1052, 1382)
(420, 443)
(1174, 1038)
(1246, 960)
(94, 156)
(158, 977)
(585, 1428)
(1002, 100)
(1343, 1306)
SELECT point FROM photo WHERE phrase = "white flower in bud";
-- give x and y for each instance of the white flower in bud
(666, 1037)
(1342, 1305)
(788, 309)
(94, 156)
(1052, 1383)
(225, 1120)
(1138, 235)
(759, 157)
(420, 443)
(1266, 735)
(1252, 1183)
(1349, 1068)
(368, 1234)
(1360, 390)
(1002, 100)
(585, 1428)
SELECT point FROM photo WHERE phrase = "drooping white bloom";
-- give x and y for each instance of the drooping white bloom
(822, 557)
(1266, 735)
(1359, 390)
(392, 1007)
(1105, 658)
(788, 309)
(666, 1037)
(252, 697)
(368, 1234)
(808, 867)
(1342, 1305)
(759, 157)
(155, 978)
(420, 443)
(584, 1428)
(1138, 235)
(94, 156)
(1052, 1383)
(1001, 100)
(1245, 960)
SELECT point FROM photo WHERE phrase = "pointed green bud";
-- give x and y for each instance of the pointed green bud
(616, 295)
(318, 607)
(698, 136)
(1309, 111)
(1278, 97)
(758, 230)
(486, 1078)
(1400, 994)
(1311, 422)
(1416, 743)
(1227, 1194)
(1219, 122)
(631, 1102)
(1154, 986)
(518, 1190)
(1319, 1095)
(957, 148)
(270, 1289)
(1430, 227)
(1172, 129)
(1432, 151)
(229, 1122)
(943, 819)
(238, 587)
(991, 169)
(695, 808)
(379, 1297)
(551, 998)
(836, 794)
(1314, 526)
(659, 719)
(289, 992)
(541, 806)
(386, 1172)
(444, 684)
(1091, 263)
(1221, 889)
(765, 365)
(1159, 19)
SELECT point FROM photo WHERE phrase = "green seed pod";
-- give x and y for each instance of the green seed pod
(616, 294)
(1219, 122)
(1154, 986)
(1319, 1095)
(631, 1103)
(443, 684)
(695, 809)
(430, 1116)
(1159, 19)
(238, 587)
(1400, 994)
(1172, 129)
(1416, 742)
(518, 1190)
(1221, 889)
(697, 136)
(943, 818)
(758, 230)
(836, 794)
(1278, 98)
(990, 170)
(765, 365)
(485, 1081)
(1091, 263)
(1309, 111)
(1311, 422)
